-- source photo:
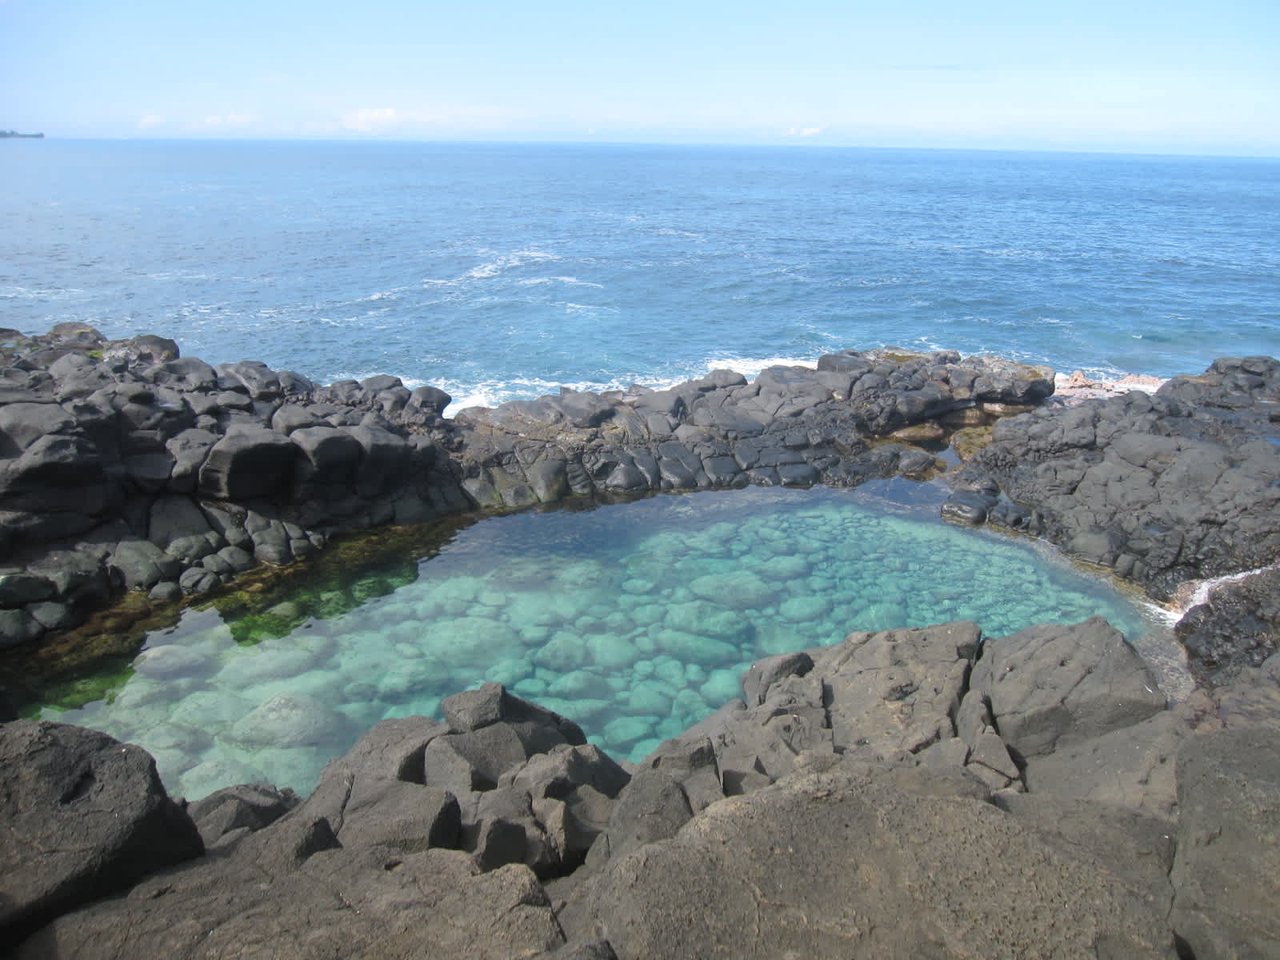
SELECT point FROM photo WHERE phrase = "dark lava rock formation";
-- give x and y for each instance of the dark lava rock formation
(882, 797)
(125, 466)
(1165, 488)
(911, 793)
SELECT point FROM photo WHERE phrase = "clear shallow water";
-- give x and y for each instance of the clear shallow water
(636, 620)
(498, 271)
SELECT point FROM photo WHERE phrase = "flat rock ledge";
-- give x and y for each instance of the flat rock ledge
(909, 793)
(125, 466)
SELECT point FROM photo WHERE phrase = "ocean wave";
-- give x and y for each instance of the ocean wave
(16, 292)
(182, 275)
(509, 261)
(568, 281)
(750, 367)
(682, 234)
(491, 393)
(592, 308)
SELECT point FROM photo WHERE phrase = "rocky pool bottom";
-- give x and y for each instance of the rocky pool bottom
(636, 620)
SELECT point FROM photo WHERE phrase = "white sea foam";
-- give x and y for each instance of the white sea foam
(1195, 592)
(750, 367)
(491, 393)
(509, 261)
(16, 292)
(1087, 385)
(568, 281)
(682, 234)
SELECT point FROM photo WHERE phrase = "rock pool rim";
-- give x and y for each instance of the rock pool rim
(51, 668)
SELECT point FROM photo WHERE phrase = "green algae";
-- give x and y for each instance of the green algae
(636, 620)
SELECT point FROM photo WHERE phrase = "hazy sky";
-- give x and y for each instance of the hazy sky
(1168, 76)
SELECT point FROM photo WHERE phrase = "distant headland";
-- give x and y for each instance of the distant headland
(6, 134)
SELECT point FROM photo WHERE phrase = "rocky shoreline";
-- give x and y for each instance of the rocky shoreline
(907, 793)
(124, 466)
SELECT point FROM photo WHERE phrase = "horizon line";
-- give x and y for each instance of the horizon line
(807, 144)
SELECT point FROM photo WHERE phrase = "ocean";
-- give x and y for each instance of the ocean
(498, 271)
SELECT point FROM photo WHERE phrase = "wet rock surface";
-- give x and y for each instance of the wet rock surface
(1238, 626)
(861, 801)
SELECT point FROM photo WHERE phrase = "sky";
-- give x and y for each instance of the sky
(1121, 75)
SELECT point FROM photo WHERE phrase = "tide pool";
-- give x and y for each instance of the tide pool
(636, 620)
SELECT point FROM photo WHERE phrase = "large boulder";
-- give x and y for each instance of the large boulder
(866, 861)
(1052, 685)
(247, 463)
(82, 816)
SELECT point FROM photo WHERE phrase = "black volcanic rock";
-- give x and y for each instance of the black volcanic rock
(884, 816)
(1164, 489)
(1237, 627)
(94, 432)
(83, 816)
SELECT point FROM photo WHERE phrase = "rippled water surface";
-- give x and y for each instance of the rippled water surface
(636, 620)
(498, 271)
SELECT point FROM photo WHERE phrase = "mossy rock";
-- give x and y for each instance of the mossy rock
(968, 441)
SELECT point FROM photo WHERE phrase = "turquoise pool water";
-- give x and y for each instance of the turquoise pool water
(636, 620)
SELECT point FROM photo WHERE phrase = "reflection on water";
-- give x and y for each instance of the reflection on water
(636, 620)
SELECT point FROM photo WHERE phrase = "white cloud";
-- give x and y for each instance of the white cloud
(433, 120)
(150, 121)
(229, 119)
(373, 119)
(805, 131)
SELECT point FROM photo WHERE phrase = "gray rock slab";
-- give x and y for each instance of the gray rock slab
(762, 674)
(491, 703)
(242, 807)
(1127, 843)
(894, 693)
(338, 902)
(1054, 685)
(851, 863)
(1130, 767)
(1226, 874)
(403, 816)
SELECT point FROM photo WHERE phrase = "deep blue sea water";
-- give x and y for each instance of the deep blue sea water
(507, 270)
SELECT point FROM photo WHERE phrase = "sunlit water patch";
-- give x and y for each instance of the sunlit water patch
(636, 620)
